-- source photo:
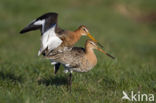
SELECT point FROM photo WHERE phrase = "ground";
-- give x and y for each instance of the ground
(125, 28)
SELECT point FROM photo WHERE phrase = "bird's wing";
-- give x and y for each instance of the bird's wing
(79, 50)
(73, 57)
(50, 40)
(43, 23)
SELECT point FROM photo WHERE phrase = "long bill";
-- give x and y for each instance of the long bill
(105, 53)
(91, 37)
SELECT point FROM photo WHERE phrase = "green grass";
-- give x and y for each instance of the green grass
(27, 78)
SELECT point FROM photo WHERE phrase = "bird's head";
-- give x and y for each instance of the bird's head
(93, 45)
(85, 32)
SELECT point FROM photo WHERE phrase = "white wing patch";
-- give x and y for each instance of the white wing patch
(49, 39)
(40, 22)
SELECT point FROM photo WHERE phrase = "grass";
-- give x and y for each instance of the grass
(27, 78)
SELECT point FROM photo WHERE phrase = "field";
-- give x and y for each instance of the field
(125, 28)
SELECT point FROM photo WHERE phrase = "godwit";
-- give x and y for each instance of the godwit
(78, 59)
(52, 36)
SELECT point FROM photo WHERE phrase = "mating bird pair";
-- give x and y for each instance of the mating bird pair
(57, 45)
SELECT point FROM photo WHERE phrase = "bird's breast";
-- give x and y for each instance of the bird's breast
(91, 60)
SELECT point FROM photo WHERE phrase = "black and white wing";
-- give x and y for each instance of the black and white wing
(43, 23)
(47, 23)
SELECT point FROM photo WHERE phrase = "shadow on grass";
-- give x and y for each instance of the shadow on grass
(53, 81)
(10, 76)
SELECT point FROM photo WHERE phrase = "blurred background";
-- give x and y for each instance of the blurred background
(126, 28)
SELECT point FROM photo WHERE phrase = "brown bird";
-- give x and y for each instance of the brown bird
(53, 37)
(77, 59)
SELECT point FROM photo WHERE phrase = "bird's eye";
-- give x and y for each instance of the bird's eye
(91, 43)
(84, 29)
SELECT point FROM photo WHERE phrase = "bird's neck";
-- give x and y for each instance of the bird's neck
(91, 56)
(76, 35)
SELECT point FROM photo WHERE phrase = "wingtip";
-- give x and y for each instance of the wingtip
(24, 30)
(21, 32)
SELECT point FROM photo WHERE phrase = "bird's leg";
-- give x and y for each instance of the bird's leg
(56, 67)
(69, 82)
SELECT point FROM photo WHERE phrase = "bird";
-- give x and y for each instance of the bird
(78, 59)
(53, 36)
